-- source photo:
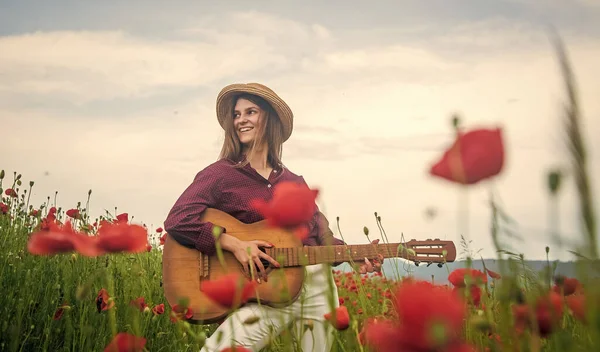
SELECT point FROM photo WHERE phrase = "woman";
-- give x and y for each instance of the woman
(256, 122)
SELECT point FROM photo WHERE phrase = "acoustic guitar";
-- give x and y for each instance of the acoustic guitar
(185, 268)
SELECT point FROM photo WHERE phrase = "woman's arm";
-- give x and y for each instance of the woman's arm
(183, 222)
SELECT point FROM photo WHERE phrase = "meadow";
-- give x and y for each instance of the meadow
(74, 281)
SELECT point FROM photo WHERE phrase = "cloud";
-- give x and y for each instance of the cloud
(315, 149)
(97, 110)
(85, 66)
(312, 129)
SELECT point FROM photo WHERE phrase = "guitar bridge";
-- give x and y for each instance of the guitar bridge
(203, 265)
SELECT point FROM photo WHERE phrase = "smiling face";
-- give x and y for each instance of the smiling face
(254, 127)
(247, 120)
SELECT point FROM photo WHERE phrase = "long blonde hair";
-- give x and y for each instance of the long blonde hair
(270, 133)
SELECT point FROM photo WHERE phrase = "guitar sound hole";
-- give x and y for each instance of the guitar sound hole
(264, 262)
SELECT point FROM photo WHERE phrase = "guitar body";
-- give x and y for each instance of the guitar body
(185, 268)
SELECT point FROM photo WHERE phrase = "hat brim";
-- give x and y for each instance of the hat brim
(227, 94)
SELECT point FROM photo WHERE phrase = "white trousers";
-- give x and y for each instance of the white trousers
(312, 304)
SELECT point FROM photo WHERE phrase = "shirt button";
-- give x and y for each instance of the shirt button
(269, 186)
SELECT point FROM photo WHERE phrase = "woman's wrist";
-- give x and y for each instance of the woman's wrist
(228, 242)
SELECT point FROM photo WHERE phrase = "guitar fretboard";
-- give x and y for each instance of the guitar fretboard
(311, 255)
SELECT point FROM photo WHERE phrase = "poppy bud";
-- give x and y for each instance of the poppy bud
(554, 181)
(366, 231)
(251, 320)
(19, 182)
(309, 324)
(201, 337)
(219, 336)
(2, 175)
(455, 121)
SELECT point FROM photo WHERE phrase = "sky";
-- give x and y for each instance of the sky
(119, 98)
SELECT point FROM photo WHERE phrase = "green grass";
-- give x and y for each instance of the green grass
(33, 288)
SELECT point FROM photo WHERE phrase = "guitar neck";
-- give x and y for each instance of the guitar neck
(310, 255)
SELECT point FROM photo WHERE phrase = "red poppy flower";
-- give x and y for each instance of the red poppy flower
(3, 208)
(10, 192)
(430, 318)
(421, 305)
(74, 213)
(235, 349)
(342, 318)
(473, 295)
(180, 313)
(229, 291)
(567, 286)
(576, 304)
(122, 237)
(139, 303)
(124, 217)
(159, 230)
(459, 276)
(474, 156)
(159, 309)
(382, 336)
(125, 342)
(103, 301)
(55, 238)
(293, 204)
(548, 311)
(60, 311)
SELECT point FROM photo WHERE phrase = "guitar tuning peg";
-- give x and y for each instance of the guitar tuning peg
(440, 265)
(417, 263)
(429, 239)
(437, 239)
(428, 264)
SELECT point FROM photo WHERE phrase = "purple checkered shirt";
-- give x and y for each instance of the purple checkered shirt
(223, 187)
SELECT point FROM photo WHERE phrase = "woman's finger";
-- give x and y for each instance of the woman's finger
(262, 243)
(261, 268)
(245, 268)
(270, 259)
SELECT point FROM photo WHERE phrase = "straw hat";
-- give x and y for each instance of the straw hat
(227, 95)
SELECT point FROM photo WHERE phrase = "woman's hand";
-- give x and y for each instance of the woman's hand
(248, 253)
(372, 265)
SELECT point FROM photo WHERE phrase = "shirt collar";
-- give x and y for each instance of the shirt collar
(242, 158)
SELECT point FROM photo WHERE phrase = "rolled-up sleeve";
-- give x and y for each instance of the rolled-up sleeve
(183, 221)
